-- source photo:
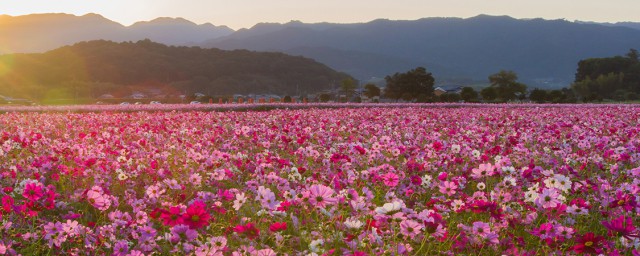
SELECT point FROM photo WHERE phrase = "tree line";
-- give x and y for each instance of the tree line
(614, 78)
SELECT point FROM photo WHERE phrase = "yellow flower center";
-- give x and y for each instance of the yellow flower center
(195, 218)
(588, 243)
(620, 202)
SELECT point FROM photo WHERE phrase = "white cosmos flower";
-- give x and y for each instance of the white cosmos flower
(389, 207)
(353, 223)
(122, 176)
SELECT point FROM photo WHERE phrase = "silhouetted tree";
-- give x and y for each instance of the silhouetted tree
(507, 85)
(410, 84)
(468, 94)
(324, 97)
(371, 90)
(489, 94)
(538, 95)
(348, 87)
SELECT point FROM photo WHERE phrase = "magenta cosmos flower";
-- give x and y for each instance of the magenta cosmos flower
(622, 226)
(32, 191)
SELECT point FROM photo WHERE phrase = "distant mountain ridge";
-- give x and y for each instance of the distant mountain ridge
(44, 32)
(544, 53)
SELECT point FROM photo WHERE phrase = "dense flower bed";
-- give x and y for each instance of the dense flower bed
(344, 181)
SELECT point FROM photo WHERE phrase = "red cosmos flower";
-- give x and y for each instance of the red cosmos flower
(360, 150)
(278, 226)
(196, 215)
(7, 203)
(171, 217)
(156, 213)
(588, 243)
(249, 230)
(32, 191)
(284, 206)
(623, 226)
(437, 145)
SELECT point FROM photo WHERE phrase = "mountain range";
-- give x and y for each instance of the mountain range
(43, 32)
(544, 53)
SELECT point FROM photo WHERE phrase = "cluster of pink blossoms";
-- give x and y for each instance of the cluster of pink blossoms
(380, 180)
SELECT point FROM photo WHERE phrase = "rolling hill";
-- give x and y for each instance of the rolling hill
(94, 68)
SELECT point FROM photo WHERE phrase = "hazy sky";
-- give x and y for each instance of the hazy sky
(246, 13)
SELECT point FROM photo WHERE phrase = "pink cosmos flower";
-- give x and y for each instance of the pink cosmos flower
(390, 179)
(481, 229)
(548, 198)
(410, 228)
(321, 196)
(448, 188)
(183, 233)
(484, 170)
(98, 199)
(267, 198)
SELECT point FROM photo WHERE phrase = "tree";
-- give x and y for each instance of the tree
(371, 90)
(410, 84)
(506, 85)
(450, 97)
(489, 93)
(324, 97)
(348, 86)
(633, 55)
(602, 87)
(468, 94)
(538, 95)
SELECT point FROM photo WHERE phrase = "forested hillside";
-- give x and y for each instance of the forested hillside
(91, 69)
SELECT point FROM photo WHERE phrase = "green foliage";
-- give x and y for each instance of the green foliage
(408, 86)
(615, 78)
(489, 94)
(287, 99)
(348, 87)
(371, 90)
(450, 97)
(101, 67)
(538, 95)
(507, 86)
(468, 94)
(601, 87)
(324, 97)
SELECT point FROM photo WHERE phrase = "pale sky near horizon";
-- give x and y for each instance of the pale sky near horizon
(246, 13)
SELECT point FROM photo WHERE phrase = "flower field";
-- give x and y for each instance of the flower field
(377, 180)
